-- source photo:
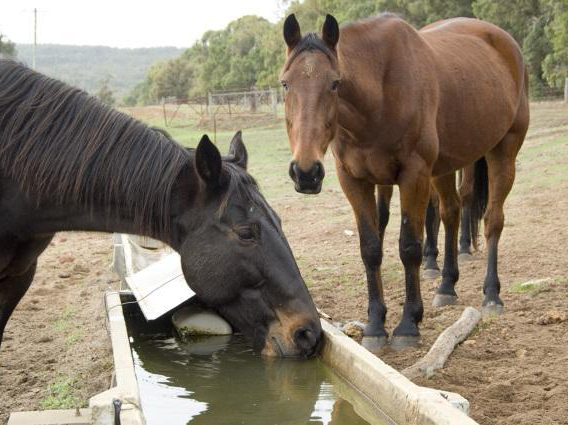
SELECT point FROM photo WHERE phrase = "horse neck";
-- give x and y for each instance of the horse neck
(374, 59)
(52, 218)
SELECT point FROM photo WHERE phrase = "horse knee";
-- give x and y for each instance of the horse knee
(372, 253)
(410, 247)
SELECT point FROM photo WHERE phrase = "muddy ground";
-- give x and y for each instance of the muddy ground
(513, 369)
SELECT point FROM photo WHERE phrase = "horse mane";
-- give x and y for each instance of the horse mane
(65, 147)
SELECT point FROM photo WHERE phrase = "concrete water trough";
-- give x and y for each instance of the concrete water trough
(378, 393)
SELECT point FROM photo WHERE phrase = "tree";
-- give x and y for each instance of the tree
(105, 94)
(7, 48)
(555, 65)
(250, 51)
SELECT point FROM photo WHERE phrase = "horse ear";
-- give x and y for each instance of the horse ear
(237, 151)
(208, 161)
(292, 34)
(330, 31)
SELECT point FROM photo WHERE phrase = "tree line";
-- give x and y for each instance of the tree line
(249, 51)
(7, 48)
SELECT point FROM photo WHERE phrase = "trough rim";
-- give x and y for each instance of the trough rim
(398, 397)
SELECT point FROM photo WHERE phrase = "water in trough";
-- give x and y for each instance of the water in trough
(221, 381)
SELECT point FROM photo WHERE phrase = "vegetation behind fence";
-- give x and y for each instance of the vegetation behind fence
(250, 51)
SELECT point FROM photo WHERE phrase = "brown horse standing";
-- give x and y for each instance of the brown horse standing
(407, 107)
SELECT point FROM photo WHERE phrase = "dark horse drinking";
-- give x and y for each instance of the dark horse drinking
(409, 108)
(68, 162)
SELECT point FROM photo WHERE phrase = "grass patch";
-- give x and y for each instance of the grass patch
(62, 395)
(482, 326)
(75, 337)
(62, 325)
(522, 288)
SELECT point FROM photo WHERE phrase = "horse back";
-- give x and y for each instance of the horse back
(482, 83)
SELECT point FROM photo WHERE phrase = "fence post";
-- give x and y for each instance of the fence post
(209, 104)
(274, 101)
(566, 90)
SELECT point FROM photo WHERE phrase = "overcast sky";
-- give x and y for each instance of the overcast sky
(129, 23)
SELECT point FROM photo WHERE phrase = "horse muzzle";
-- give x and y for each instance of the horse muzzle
(310, 181)
(302, 340)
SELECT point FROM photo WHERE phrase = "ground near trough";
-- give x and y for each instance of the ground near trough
(514, 370)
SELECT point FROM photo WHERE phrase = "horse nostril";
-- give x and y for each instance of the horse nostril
(319, 171)
(305, 339)
(293, 170)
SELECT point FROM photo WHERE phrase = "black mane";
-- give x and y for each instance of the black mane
(65, 147)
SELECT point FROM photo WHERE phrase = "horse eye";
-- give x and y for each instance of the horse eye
(245, 233)
(284, 84)
(335, 85)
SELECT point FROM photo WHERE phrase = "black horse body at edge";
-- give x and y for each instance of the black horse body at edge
(68, 162)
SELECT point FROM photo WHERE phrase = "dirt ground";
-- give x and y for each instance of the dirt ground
(513, 369)
(56, 352)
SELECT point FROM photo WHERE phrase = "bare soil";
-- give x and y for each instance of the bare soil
(56, 352)
(513, 369)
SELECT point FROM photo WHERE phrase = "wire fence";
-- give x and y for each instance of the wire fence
(541, 91)
(250, 106)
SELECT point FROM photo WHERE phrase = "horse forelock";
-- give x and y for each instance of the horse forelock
(311, 42)
(65, 147)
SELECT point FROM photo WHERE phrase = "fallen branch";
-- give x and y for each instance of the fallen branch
(444, 345)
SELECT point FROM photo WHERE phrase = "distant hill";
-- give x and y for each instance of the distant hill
(86, 66)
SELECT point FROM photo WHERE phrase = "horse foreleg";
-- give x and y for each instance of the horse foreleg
(414, 185)
(361, 196)
(17, 277)
(450, 213)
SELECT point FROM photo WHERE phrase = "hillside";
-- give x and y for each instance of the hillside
(86, 66)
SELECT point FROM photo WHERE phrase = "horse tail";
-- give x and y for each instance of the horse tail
(480, 198)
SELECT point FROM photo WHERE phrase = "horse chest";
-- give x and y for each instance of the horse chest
(366, 164)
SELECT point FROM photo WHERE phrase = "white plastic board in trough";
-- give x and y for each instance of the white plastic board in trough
(158, 288)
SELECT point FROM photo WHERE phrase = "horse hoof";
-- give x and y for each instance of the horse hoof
(374, 343)
(441, 300)
(401, 342)
(492, 309)
(464, 257)
(431, 273)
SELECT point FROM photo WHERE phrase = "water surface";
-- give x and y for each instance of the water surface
(222, 381)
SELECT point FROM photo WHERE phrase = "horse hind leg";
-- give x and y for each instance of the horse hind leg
(468, 229)
(450, 213)
(501, 173)
(431, 269)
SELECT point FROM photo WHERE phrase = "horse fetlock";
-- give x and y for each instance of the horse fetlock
(375, 329)
(407, 327)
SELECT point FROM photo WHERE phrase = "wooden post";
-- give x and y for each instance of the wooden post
(566, 90)
(164, 110)
(274, 101)
(35, 40)
(209, 104)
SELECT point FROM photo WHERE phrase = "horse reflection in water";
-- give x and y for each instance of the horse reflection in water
(220, 380)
